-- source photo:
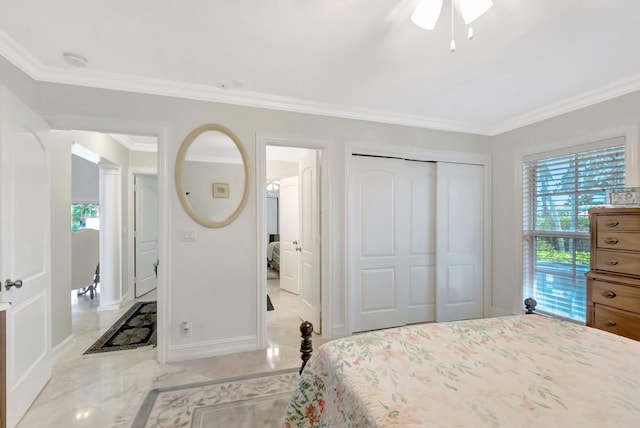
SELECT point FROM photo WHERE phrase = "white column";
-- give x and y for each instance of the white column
(110, 236)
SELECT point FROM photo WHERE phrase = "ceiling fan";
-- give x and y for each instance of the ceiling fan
(427, 13)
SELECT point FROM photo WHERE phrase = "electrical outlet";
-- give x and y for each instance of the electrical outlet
(185, 329)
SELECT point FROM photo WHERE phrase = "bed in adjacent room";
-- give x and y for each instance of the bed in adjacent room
(273, 254)
(516, 371)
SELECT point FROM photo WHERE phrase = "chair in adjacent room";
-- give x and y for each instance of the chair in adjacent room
(85, 261)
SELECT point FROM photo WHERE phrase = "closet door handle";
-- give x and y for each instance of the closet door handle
(611, 240)
(612, 223)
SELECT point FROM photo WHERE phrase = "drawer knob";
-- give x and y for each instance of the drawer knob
(609, 323)
(611, 262)
(612, 223)
(611, 240)
(608, 294)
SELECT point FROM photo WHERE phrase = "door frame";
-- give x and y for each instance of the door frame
(422, 154)
(326, 147)
(165, 181)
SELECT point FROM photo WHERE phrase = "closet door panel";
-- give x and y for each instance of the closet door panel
(421, 257)
(378, 231)
(460, 212)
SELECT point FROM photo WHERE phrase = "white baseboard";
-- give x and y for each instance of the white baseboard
(338, 331)
(110, 306)
(214, 348)
(497, 312)
(61, 347)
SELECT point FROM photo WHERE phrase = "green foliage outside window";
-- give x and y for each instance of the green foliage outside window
(545, 251)
(80, 212)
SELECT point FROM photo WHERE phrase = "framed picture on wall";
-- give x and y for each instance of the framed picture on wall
(624, 197)
(220, 190)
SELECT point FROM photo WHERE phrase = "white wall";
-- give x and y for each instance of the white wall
(212, 282)
(281, 169)
(60, 151)
(611, 118)
(143, 159)
(198, 178)
(84, 181)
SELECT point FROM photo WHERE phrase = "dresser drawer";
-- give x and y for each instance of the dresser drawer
(618, 262)
(616, 295)
(615, 321)
(619, 241)
(618, 222)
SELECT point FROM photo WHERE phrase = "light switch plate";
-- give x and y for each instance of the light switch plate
(189, 235)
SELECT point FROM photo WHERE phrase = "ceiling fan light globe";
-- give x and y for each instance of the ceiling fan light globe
(427, 13)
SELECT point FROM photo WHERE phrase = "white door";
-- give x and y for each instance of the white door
(146, 234)
(421, 251)
(391, 242)
(377, 264)
(460, 221)
(309, 243)
(289, 230)
(25, 223)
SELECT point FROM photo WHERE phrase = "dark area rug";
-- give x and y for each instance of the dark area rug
(134, 329)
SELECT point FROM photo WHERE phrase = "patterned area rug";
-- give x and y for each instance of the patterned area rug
(134, 329)
(258, 400)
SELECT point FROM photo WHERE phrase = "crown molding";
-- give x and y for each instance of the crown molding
(161, 87)
(21, 58)
(604, 93)
(136, 146)
(18, 56)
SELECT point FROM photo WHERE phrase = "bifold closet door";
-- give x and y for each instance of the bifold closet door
(391, 250)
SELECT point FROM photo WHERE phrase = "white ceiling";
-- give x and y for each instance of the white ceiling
(365, 59)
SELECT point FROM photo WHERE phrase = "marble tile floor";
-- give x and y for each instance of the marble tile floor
(105, 390)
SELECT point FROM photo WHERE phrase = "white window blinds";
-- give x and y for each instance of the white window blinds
(558, 190)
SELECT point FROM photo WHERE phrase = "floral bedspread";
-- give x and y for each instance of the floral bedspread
(513, 371)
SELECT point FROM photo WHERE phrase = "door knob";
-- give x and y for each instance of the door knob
(8, 284)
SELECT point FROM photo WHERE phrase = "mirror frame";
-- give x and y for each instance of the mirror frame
(180, 184)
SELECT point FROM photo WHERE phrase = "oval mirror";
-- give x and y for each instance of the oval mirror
(212, 175)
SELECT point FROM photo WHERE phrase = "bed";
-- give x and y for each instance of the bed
(516, 371)
(273, 255)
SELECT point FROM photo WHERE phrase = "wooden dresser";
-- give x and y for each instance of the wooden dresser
(613, 283)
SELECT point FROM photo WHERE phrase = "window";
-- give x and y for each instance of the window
(85, 216)
(558, 190)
